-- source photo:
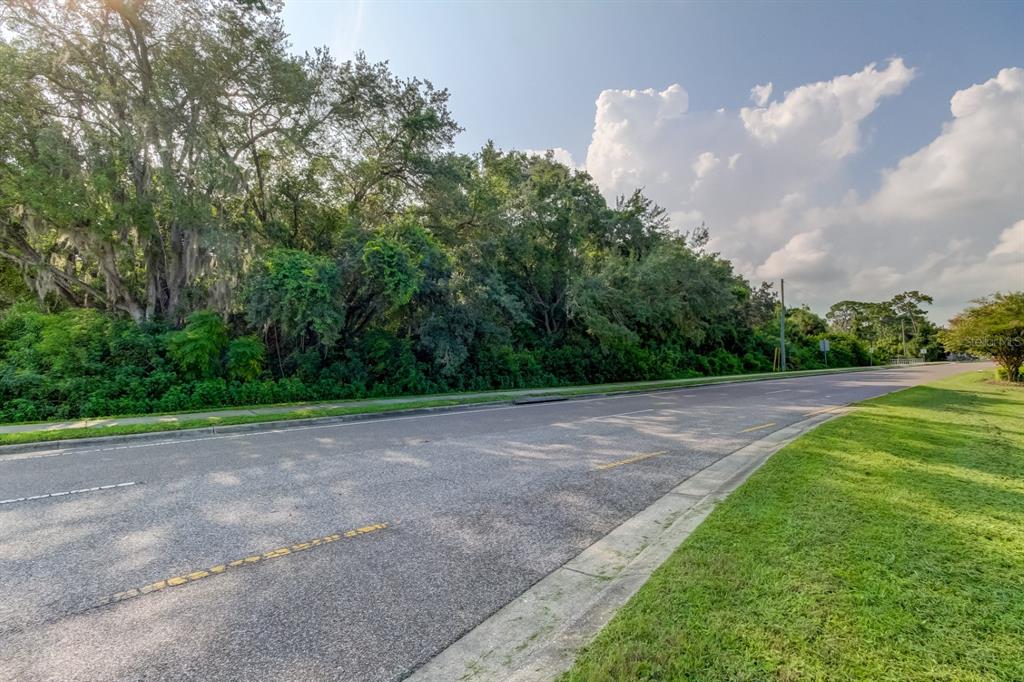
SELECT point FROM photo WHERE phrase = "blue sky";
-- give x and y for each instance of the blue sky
(527, 75)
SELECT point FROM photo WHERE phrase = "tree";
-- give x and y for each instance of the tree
(382, 271)
(636, 226)
(899, 326)
(12, 285)
(993, 326)
(245, 357)
(530, 225)
(149, 117)
(762, 305)
(907, 305)
(170, 163)
(294, 296)
(671, 295)
(855, 317)
(802, 322)
(199, 348)
(151, 148)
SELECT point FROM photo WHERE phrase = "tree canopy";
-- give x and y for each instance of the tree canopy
(153, 148)
(192, 215)
(992, 327)
(897, 327)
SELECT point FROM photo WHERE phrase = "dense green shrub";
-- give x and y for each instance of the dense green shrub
(1002, 375)
(82, 363)
(199, 348)
(297, 294)
(245, 357)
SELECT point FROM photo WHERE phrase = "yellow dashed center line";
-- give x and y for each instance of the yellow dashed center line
(823, 410)
(221, 568)
(638, 458)
(758, 427)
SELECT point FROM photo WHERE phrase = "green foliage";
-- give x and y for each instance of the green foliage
(670, 293)
(393, 269)
(802, 323)
(12, 285)
(251, 226)
(78, 363)
(391, 266)
(992, 327)
(245, 358)
(199, 348)
(894, 328)
(149, 147)
(296, 294)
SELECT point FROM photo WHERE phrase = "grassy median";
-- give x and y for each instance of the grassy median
(885, 545)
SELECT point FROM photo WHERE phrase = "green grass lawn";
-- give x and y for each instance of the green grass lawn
(884, 545)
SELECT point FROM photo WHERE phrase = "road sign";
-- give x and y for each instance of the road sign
(823, 345)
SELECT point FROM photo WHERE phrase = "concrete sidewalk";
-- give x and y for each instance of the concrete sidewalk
(371, 403)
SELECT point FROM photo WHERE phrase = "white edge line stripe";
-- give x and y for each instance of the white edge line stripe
(69, 492)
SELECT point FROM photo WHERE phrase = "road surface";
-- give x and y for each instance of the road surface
(353, 551)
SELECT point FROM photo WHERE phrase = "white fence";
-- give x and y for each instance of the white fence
(907, 361)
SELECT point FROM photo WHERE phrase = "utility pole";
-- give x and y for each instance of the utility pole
(903, 333)
(782, 326)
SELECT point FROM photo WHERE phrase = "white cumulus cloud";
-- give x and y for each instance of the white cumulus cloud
(760, 94)
(559, 154)
(704, 164)
(1011, 243)
(770, 181)
(828, 112)
(974, 162)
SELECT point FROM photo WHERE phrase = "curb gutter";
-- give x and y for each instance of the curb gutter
(536, 636)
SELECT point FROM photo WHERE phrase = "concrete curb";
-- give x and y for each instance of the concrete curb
(536, 636)
(281, 424)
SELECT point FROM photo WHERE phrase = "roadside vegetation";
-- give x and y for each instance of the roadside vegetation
(193, 217)
(20, 437)
(993, 327)
(884, 545)
(183, 421)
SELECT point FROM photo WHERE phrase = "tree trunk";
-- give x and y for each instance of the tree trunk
(1011, 363)
(119, 294)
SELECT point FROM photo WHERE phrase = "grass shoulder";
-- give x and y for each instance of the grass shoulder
(186, 424)
(888, 544)
(181, 421)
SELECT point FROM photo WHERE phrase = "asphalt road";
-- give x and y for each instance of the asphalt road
(479, 505)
